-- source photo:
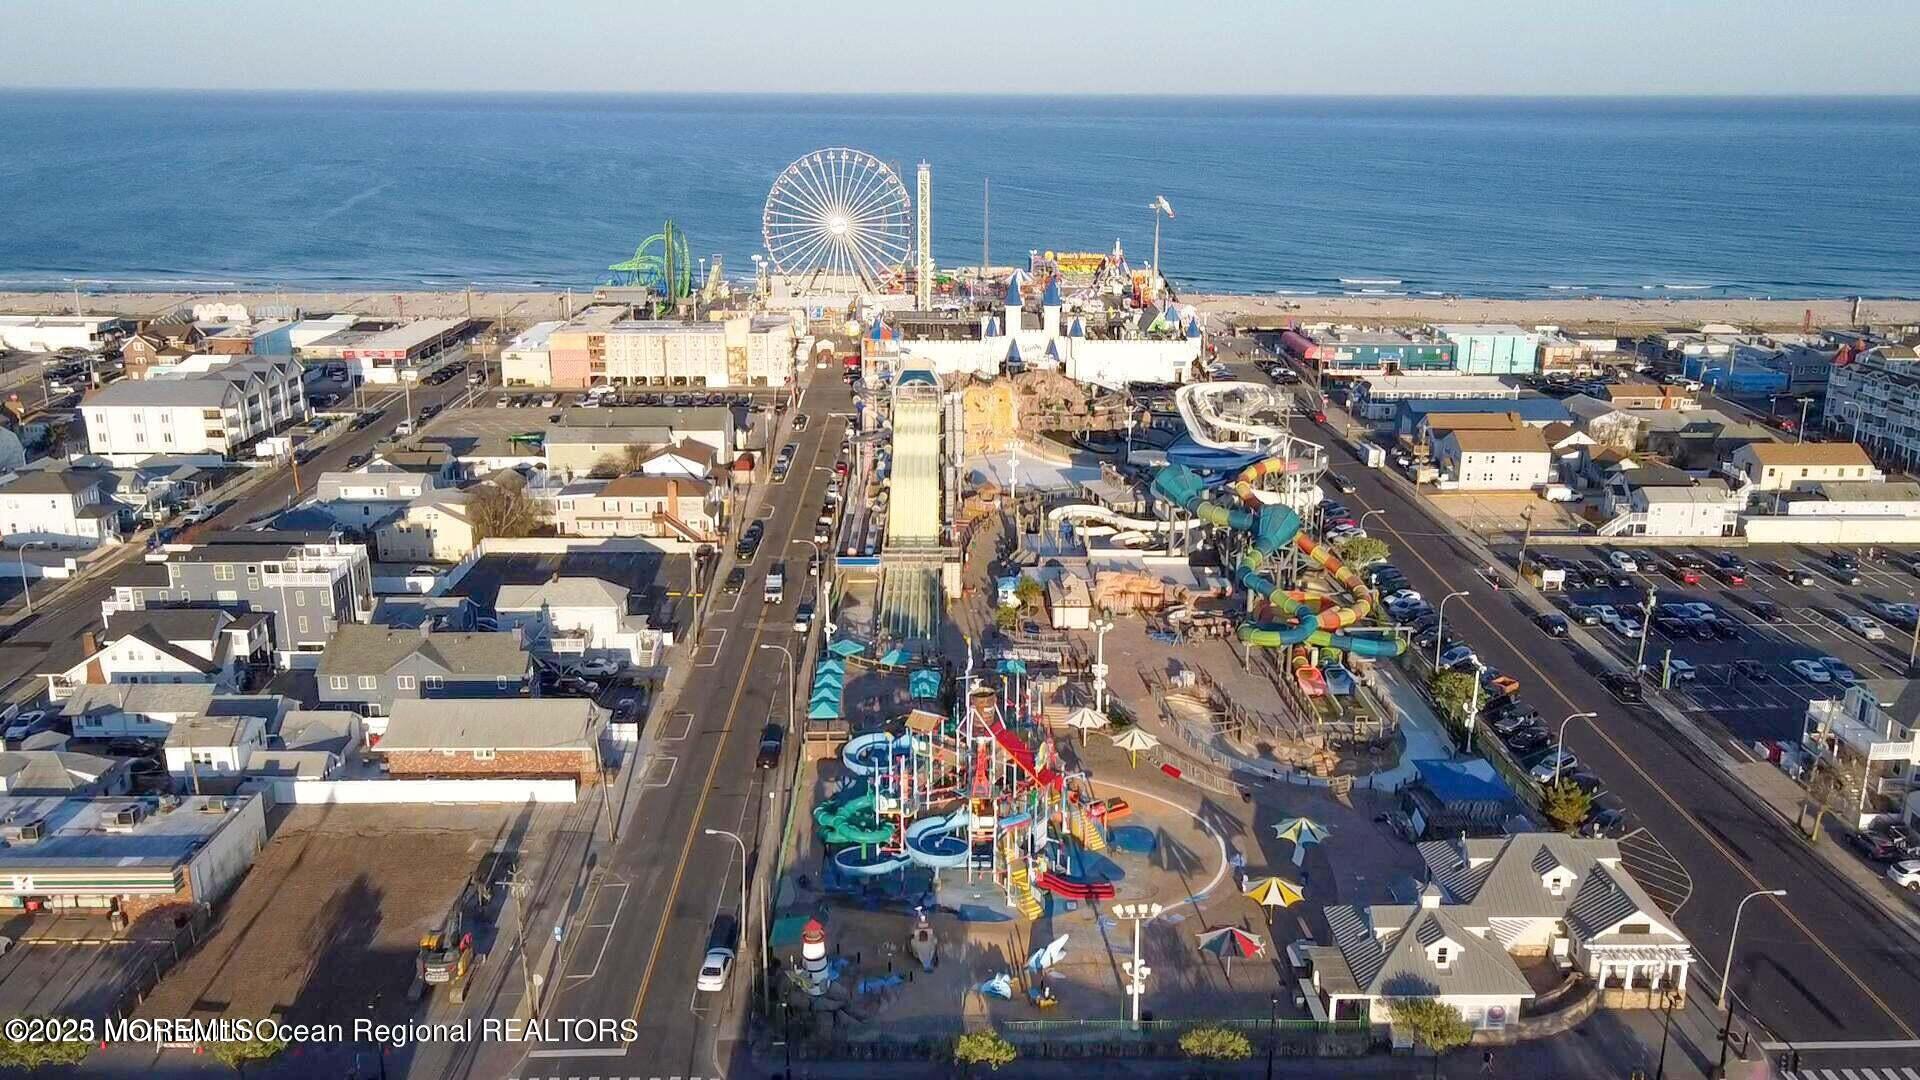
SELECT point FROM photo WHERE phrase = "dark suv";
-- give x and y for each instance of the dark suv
(771, 739)
(750, 540)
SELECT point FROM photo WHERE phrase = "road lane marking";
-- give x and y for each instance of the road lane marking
(706, 789)
(653, 777)
(1657, 788)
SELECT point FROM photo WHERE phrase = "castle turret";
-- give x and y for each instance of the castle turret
(1014, 302)
(1050, 308)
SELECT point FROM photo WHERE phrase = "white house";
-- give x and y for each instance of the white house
(525, 361)
(208, 747)
(362, 499)
(213, 413)
(210, 646)
(1704, 509)
(1799, 466)
(1488, 905)
(434, 527)
(66, 508)
(1516, 459)
(137, 710)
(578, 618)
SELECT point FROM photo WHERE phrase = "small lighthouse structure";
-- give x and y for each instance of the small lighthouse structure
(813, 957)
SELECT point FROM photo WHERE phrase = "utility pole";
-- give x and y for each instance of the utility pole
(1646, 624)
(986, 223)
(519, 887)
(1526, 539)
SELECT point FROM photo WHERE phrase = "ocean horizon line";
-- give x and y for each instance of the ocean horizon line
(959, 95)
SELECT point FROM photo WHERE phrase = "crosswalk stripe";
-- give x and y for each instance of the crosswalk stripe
(1909, 1074)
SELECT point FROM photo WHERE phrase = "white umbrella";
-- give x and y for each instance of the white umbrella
(1086, 720)
(1133, 740)
(1043, 959)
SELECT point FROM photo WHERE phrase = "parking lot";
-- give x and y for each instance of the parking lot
(1791, 608)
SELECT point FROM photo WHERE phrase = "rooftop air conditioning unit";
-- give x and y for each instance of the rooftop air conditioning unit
(128, 816)
(214, 805)
(33, 830)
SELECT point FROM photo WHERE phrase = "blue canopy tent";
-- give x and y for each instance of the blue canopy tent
(896, 657)
(844, 647)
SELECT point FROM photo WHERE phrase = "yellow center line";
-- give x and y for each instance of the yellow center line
(1661, 791)
(693, 824)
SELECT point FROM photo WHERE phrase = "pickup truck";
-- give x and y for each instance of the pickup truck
(776, 583)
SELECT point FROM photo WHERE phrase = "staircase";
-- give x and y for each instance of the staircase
(1622, 524)
(1087, 831)
(1021, 878)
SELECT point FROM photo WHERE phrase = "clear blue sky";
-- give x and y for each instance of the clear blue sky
(1049, 46)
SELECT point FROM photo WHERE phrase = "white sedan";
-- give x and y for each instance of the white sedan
(1865, 627)
(715, 969)
(1810, 671)
(1905, 872)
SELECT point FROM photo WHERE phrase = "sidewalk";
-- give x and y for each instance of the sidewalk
(1768, 787)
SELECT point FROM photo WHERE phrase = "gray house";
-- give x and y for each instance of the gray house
(309, 583)
(370, 667)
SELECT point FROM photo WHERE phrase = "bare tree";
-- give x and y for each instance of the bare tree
(504, 508)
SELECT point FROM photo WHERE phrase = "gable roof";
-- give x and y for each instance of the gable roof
(54, 482)
(492, 724)
(562, 592)
(1516, 440)
(1808, 453)
(52, 772)
(636, 485)
(1474, 421)
(1500, 877)
(1385, 948)
(359, 649)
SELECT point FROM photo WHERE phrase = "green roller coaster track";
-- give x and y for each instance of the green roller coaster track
(660, 263)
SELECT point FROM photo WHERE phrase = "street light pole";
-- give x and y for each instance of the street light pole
(1726, 973)
(25, 587)
(1136, 968)
(792, 688)
(1913, 649)
(1646, 624)
(1273, 1021)
(1562, 743)
(1440, 624)
(1802, 433)
(742, 845)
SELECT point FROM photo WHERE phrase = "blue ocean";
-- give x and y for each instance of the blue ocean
(1486, 197)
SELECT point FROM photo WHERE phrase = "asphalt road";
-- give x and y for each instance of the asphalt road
(1824, 963)
(644, 930)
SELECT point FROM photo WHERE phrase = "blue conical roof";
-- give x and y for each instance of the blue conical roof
(1078, 329)
(1013, 351)
(878, 331)
(1013, 291)
(1193, 328)
(993, 327)
(1051, 298)
(1053, 349)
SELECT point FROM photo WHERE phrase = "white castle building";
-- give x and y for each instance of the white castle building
(1109, 347)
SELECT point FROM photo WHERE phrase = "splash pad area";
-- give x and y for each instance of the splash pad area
(953, 845)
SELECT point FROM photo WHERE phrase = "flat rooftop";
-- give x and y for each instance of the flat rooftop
(409, 336)
(81, 833)
(1457, 385)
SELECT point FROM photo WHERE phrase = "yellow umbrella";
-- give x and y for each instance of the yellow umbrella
(1275, 892)
(1133, 740)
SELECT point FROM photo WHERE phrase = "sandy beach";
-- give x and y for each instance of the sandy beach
(522, 308)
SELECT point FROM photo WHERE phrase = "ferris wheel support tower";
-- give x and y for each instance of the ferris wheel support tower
(923, 238)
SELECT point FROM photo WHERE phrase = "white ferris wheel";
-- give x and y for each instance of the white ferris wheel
(839, 211)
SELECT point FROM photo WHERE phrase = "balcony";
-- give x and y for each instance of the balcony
(1831, 725)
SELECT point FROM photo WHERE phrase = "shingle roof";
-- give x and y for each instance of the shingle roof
(1507, 880)
(1808, 453)
(54, 482)
(1517, 440)
(30, 772)
(193, 698)
(489, 724)
(562, 592)
(357, 649)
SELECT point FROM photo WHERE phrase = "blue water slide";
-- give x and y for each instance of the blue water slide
(940, 843)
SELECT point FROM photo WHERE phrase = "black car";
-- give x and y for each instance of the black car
(750, 540)
(1727, 560)
(1724, 629)
(1583, 615)
(1672, 627)
(1748, 668)
(1766, 609)
(771, 740)
(1622, 685)
(1528, 740)
(1341, 484)
(736, 580)
(1429, 621)
(1554, 625)
(1876, 847)
(1702, 629)
(1840, 560)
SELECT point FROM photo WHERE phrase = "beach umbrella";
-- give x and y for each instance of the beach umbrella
(832, 663)
(824, 677)
(1232, 943)
(1302, 831)
(823, 711)
(1043, 959)
(844, 647)
(1086, 720)
(1273, 893)
(1133, 740)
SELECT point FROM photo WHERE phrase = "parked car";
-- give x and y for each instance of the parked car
(1556, 761)
(803, 617)
(750, 540)
(1679, 670)
(1685, 575)
(736, 580)
(597, 668)
(1810, 671)
(1767, 610)
(1527, 740)
(1865, 627)
(1583, 614)
(1456, 657)
(1748, 668)
(1876, 846)
(1838, 668)
(1623, 562)
(1622, 685)
(1905, 873)
(714, 969)
(1554, 625)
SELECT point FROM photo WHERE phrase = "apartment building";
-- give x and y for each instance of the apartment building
(1874, 399)
(63, 508)
(639, 505)
(1515, 459)
(219, 411)
(308, 585)
(756, 350)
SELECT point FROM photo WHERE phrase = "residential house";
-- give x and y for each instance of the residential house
(216, 413)
(1706, 508)
(1490, 905)
(211, 645)
(1380, 397)
(1604, 422)
(62, 508)
(434, 526)
(140, 710)
(549, 738)
(127, 856)
(685, 460)
(372, 667)
(439, 462)
(1873, 396)
(637, 505)
(311, 744)
(1434, 425)
(1798, 466)
(363, 499)
(62, 772)
(585, 438)
(1512, 460)
(307, 583)
(1869, 740)
(568, 619)
(212, 748)
(161, 344)
(1641, 395)
(1534, 411)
